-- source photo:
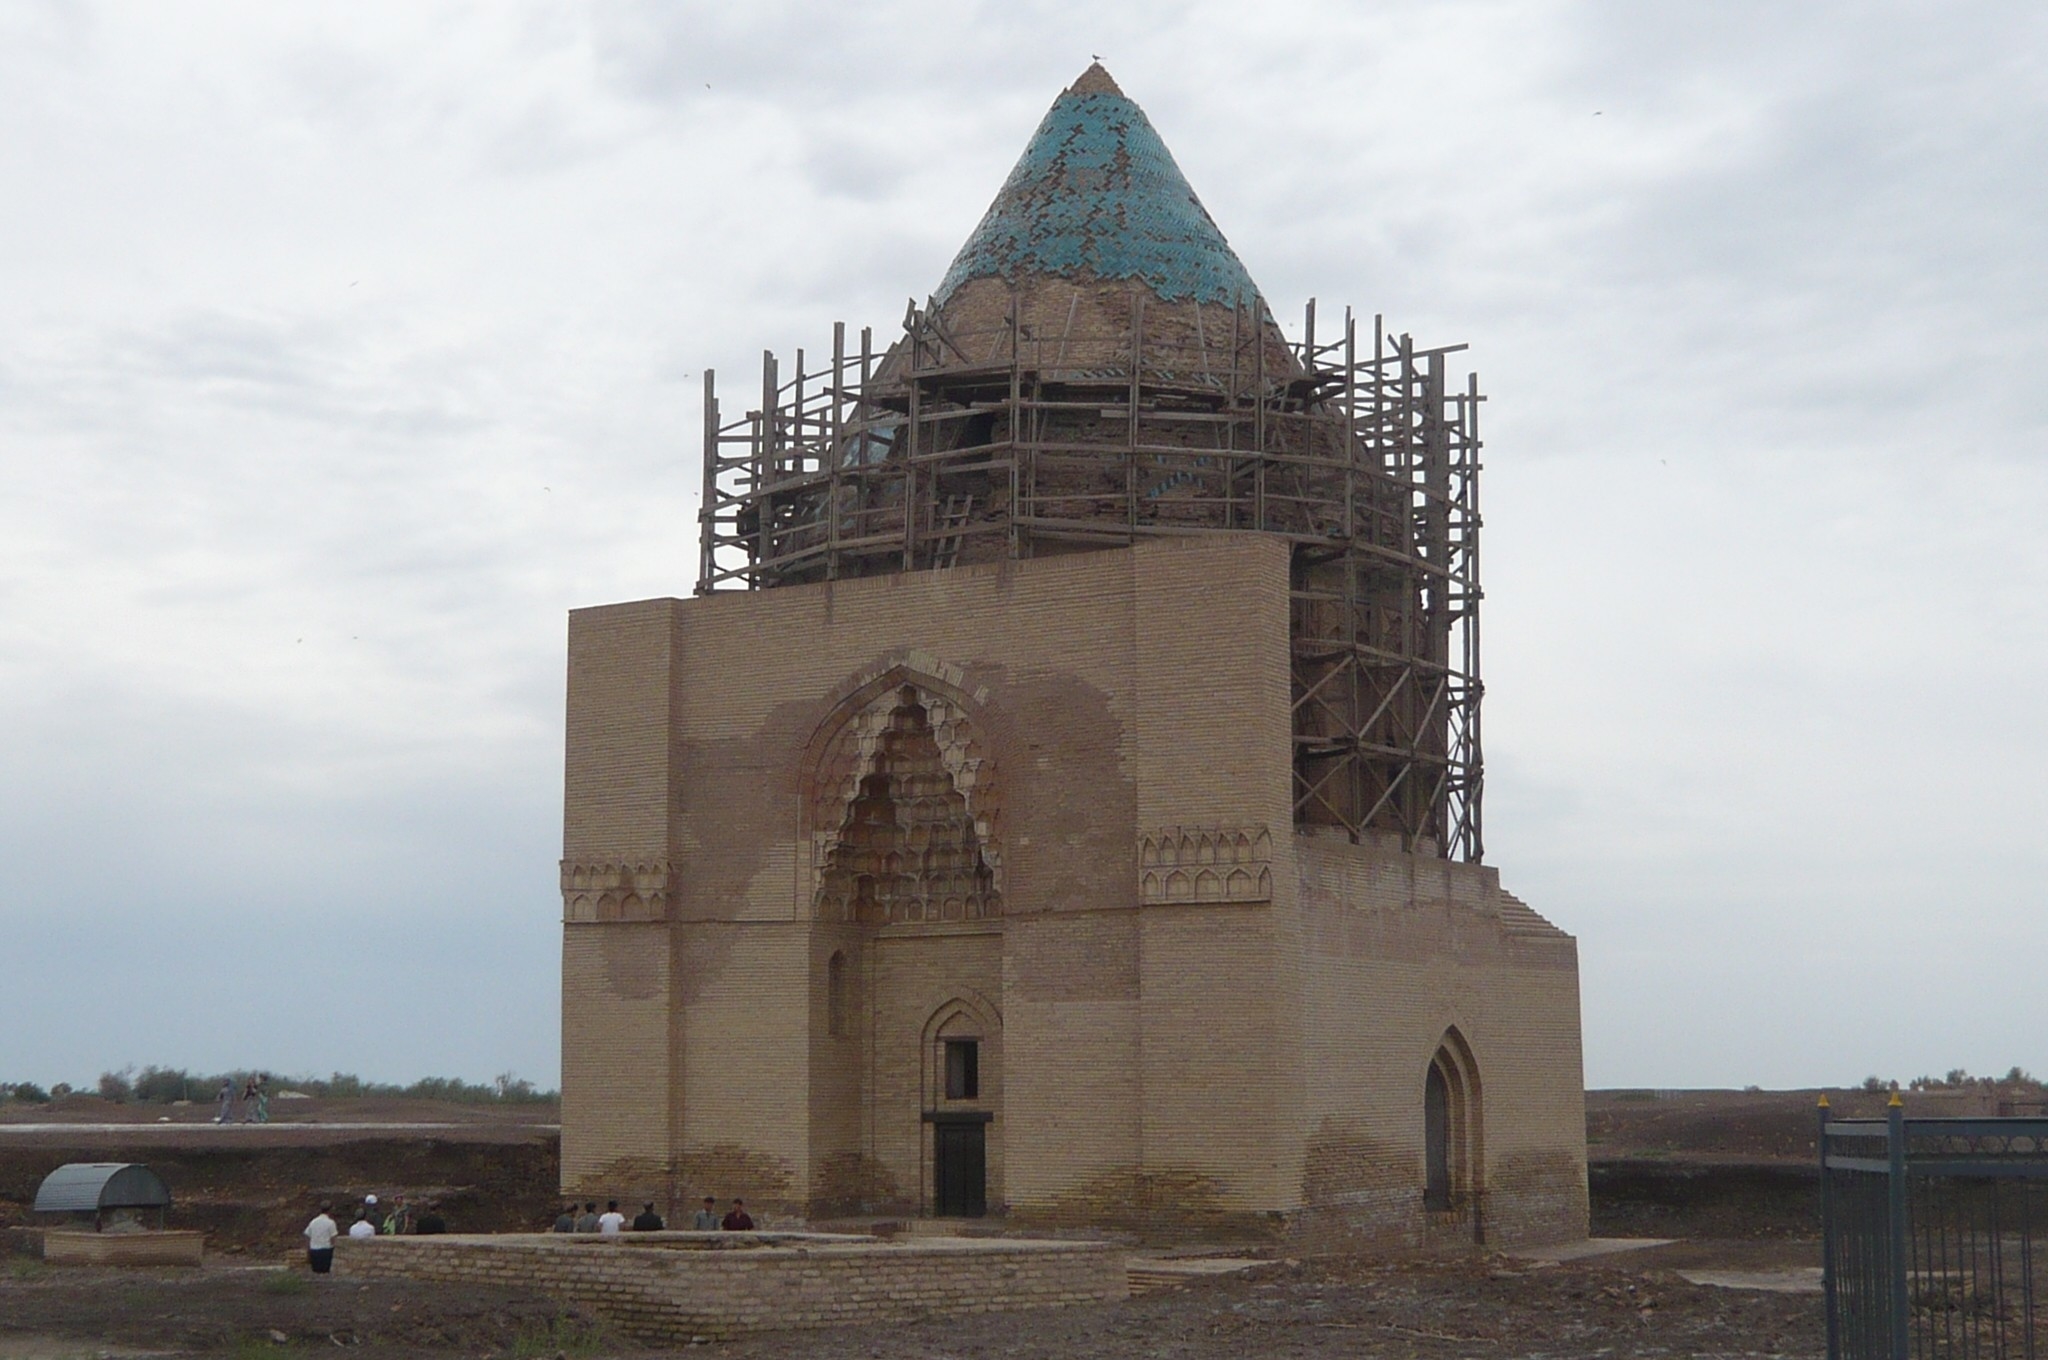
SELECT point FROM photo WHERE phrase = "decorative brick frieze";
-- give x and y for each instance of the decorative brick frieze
(617, 889)
(1205, 864)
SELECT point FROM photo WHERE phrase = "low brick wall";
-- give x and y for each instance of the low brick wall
(670, 1287)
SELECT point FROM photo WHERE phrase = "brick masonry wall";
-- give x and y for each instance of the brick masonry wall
(667, 1288)
(927, 984)
(1046, 657)
(1189, 1012)
(618, 1018)
(1437, 946)
(618, 1093)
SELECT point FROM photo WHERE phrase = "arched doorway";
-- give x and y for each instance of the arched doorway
(962, 1065)
(1452, 1189)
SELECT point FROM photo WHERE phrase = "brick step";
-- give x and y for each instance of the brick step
(1151, 1275)
(1152, 1281)
(1519, 919)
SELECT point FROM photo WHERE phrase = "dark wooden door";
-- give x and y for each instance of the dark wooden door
(1436, 1140)
(961, 1157)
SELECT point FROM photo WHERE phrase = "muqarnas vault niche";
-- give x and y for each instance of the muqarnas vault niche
(908, 848)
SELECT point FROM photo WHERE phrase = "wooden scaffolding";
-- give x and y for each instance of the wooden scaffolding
(1011, 441)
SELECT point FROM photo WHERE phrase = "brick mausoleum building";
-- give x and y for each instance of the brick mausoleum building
(1061, 798)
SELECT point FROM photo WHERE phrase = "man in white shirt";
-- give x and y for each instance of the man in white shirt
(320, 1235)
(362, 1227)
(611, 1222)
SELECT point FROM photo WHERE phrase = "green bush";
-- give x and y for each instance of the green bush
(27, 1092)
(116, 1086)
(162, 1085)
(286, 1283)
(258, 1348)
(559, 1336)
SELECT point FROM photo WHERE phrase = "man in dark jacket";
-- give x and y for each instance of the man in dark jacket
(649, 1221)
(737, 1220)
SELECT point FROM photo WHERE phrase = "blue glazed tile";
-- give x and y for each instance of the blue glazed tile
(1097, 190)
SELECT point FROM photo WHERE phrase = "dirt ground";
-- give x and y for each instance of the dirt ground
(1739, 1199)
(1480, 1308)
(1727, 1126)
(251, 1187)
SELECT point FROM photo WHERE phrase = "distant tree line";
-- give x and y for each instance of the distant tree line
(2018, 1079)
(164, 1085)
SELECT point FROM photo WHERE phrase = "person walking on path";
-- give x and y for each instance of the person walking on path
(737, 1220)
(320, 1235)
(649, 1221)
(707, 1217)
(226, 1113)
(256, 1099)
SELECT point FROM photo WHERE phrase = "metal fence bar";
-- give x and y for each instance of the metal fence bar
(1829, 1240)
(1929, 1251)
(1901, 1299)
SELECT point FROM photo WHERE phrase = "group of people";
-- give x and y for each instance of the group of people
(371, 1220)
(255, 1102)
(612, 1222)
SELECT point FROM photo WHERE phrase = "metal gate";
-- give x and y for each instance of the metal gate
(1934, 1237)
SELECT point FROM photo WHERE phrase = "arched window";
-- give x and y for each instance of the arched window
(837, 1020)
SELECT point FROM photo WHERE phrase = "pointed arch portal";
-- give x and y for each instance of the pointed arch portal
(1451, 1131)
(908, 846)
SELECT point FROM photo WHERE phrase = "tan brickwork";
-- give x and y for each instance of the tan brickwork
(672, 1288)
(1189, 1013)
(1438, 947)
(619, 1100)
(619, 1018)
(164, 1247)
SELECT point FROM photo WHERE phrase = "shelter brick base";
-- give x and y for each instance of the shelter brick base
(171, 1247)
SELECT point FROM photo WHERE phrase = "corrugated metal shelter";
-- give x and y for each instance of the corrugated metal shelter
(94, 1188)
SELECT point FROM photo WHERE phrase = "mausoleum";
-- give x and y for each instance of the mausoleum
(1060, 798)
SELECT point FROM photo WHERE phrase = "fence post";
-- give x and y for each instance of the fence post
(1895, 1144)
(1827, 1231)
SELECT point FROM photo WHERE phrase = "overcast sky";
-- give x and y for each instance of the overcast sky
(343, 349)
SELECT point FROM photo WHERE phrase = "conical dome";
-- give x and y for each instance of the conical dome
(1096, 194)
(1096, 249)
